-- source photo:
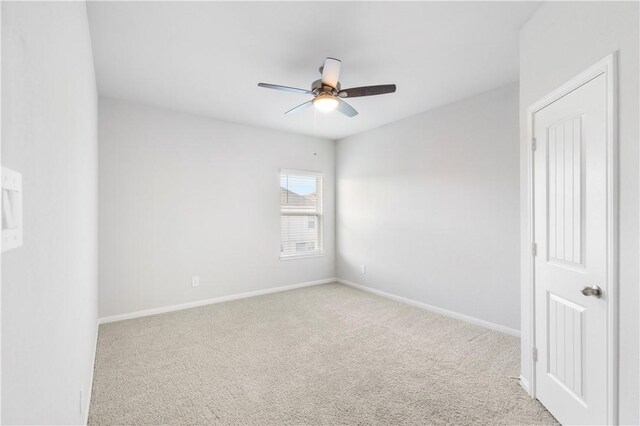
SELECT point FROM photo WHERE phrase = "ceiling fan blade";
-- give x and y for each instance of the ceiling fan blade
(331, 72)
(346, 109)
(355, 92)
(300, 107)
(285, 88)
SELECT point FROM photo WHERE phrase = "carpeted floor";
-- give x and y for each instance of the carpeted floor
(321, 355)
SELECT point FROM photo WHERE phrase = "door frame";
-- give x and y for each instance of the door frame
(608, 67)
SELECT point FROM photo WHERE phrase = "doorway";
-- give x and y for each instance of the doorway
(573, 235)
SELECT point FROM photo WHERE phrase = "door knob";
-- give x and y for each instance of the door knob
(594, 290)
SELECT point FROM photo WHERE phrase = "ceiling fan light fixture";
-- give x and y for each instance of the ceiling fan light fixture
(325, 103)
(328, 92)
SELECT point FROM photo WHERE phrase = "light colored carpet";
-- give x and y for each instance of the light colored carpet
(321, 355)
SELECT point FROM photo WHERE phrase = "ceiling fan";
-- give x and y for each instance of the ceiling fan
(327, 93)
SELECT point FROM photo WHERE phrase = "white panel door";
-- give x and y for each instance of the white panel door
(570, 231)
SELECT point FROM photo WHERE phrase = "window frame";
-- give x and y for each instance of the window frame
(319, 252)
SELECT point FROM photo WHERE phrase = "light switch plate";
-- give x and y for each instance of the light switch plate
(11, 209)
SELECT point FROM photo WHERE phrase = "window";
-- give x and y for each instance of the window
(300, 214)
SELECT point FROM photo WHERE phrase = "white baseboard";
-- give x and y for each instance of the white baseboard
(161, 310)
(87, 393)
(525, 384)
(445, 312)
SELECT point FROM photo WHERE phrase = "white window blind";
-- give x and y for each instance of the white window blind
(301, 217)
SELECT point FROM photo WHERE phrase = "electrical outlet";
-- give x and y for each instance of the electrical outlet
(195, 281)
(363, 268)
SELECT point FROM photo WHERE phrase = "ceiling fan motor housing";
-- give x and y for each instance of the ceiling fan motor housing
(318, 88)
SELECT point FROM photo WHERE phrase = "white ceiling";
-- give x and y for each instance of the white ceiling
(207, 57)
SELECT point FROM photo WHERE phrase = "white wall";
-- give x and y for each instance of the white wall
(1, 162)
(561, 40)
(430, 206)
(182, 195)
(49, 285)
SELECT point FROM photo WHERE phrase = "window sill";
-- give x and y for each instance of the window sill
(302, 256)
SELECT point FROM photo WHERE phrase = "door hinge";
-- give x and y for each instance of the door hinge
(534, 249)
(533, 144)
(534, 354)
